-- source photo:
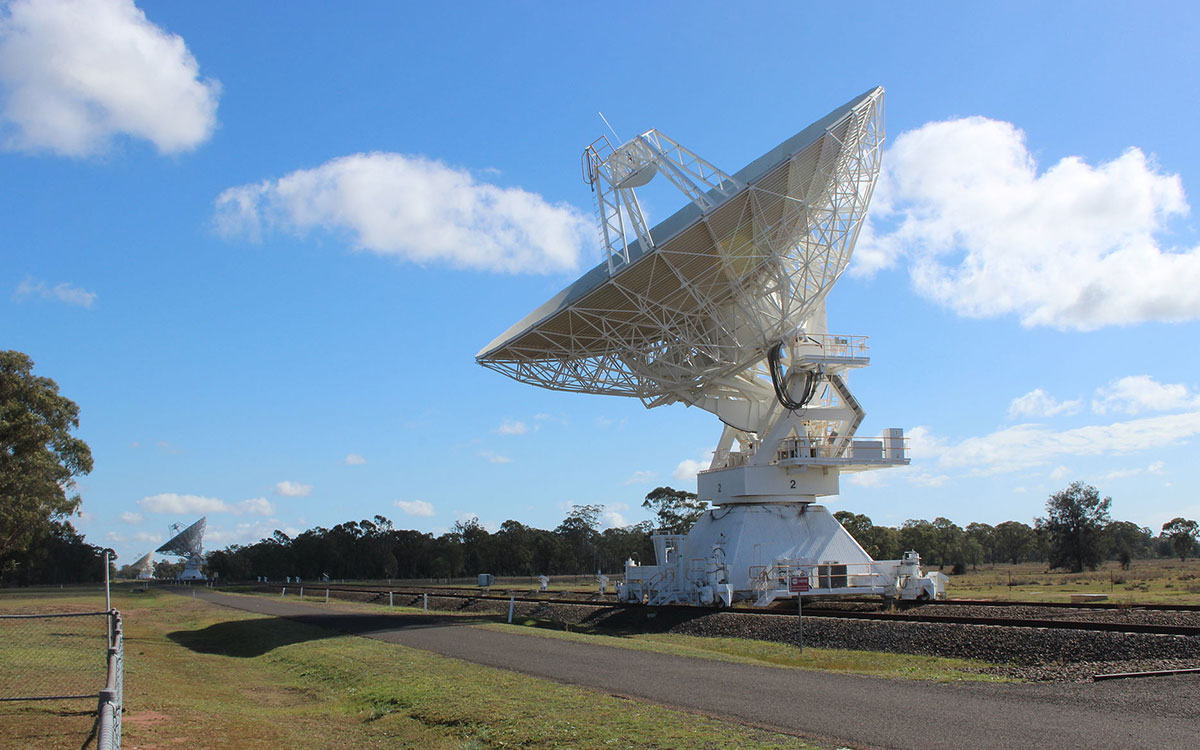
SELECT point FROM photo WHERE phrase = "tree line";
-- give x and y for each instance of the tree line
(1075, 533)
(40, 458)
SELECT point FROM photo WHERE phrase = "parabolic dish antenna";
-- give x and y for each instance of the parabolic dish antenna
(144, 568)
(187, 543)
(707, 292)
(722, 306)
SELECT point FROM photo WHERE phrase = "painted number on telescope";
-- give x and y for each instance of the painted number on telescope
(798, 584)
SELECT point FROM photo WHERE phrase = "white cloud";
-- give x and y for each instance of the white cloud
(76, 73)
(246, 532)
(495, 457)
(688, 468)
(129, 517)
(1141, 393)
(141, 536)
(416, 209)
(867, 478)
(258, 506)
(512, 427)
(641, 477)
(288, 488)
(169, 502)
(64, 292)
(1156, 467)
(610, 519)
(1060, 472)
(1120, 474)
(985, 234)
(353, 459)
(415, 507)
(1038, 403)
(1028, 445)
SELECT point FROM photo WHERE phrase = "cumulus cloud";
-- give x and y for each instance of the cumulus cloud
(1136, 394)
(416, 209)
(258, 506)
(246, 532)
(64, 292)
(129, 517)
(415, 507)
(611, 519)
(986, 234)
(512, 427)
(1038, 403)
(117, 537)
(688, 468)
(354, 459)
(169, 502)
(76, 73)
(642, 477)
(1029, 445)
(495, 457)
(288, 488)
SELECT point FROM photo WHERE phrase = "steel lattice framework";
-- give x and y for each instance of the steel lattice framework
(677, 310)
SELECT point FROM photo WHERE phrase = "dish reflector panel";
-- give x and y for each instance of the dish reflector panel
(187, 542)
(722, 283)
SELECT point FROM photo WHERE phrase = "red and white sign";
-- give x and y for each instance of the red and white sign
(798, 584)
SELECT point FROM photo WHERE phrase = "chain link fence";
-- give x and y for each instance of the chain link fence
(53, 656)
(65, 656)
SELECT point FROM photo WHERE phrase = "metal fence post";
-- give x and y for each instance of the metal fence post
(511, 603)
(426, 602)
(326, 596)
(391, 599)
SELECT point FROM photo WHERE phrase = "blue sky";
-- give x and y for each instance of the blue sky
(259, 244)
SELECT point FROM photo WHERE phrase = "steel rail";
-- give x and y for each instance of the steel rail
(1112, 627)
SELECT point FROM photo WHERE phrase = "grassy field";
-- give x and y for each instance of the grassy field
(1146, 582)
(204, 676)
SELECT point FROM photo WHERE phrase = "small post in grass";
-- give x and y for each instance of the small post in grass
(283, 590)
(511, 601)
(326, 596)
(391, 600)
(301, 592)
(427, 601)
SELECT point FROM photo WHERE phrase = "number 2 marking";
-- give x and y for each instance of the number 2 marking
(793, 484)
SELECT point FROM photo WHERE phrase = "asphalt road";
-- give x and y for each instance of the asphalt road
(861, 712)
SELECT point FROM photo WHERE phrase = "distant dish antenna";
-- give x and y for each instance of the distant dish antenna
(143, 569)
(188, 544)
(722, 306)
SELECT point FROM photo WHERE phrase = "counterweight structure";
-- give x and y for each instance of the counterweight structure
(189, 544)
(722, 306)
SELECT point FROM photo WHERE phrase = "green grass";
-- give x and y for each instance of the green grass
(1146, 582)
(768, 653)
(198, 675)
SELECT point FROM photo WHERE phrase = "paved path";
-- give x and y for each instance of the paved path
(863, 712)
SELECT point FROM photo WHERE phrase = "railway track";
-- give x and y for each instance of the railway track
(815, 610)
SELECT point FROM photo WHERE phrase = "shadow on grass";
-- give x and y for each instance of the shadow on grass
(250, 638)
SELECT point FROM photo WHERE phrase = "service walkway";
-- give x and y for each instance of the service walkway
(862, 712)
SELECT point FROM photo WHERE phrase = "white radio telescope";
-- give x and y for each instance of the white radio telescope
(188, 544)
(144, 567)
(722, 306)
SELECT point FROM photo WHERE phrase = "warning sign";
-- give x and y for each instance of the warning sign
(798, 584)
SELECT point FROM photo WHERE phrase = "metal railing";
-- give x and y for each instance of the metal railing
(112, 697)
